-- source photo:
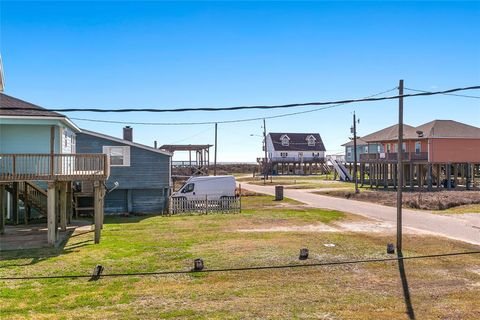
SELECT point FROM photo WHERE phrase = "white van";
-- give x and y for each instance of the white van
(212, 187)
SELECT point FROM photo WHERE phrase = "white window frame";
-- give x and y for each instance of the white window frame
(419, 145)
(283, 154)
(311, 142)
(285, 142)
(125, 153)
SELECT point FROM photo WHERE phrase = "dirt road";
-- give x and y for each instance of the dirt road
(462, 227)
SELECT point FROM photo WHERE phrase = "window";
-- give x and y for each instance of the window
(379, 148)
(349, 152)
(65, 138)
(389, 147)
(418, 147)
(404, 147)
(315, 154)
(285, 141)
(188, 188)
(119, 155)
(366, 149)
(283, 154)
(311, 142)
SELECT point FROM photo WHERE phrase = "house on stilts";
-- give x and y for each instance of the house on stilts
(437, 154)
(38, 165)
(294, 153)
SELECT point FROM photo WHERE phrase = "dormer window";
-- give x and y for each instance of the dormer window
(311, 141)
(285, 140)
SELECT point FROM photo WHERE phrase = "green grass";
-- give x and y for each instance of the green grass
(298, 182)
(440, 288)
(470, 208)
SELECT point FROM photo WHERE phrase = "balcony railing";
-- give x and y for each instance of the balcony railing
(297, 159)
(406, 156)
(49, 167)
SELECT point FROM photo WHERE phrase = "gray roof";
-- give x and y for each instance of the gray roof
(391, 133)
(126, 142)
(448, 129)
(360, 142)
(297, 142)
(24, 108)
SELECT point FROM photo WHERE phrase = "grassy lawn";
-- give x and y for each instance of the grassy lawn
(299, 182)
(470, 208)
(445, 288)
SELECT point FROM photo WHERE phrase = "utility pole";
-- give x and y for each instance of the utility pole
(355, 152)
(265, 160)
(215, 156)
(400, 167)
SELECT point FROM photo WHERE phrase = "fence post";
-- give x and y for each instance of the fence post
(206, 204)
(240, 197)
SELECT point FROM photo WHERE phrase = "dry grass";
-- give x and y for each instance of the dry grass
(435, 200)
(445, 288)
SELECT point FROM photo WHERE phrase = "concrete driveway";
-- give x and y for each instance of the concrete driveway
(459, 227)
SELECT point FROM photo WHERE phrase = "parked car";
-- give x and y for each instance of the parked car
(211, 187)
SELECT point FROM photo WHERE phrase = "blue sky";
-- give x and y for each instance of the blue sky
(195, 54)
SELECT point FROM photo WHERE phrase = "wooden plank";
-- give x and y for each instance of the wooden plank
(15, 206)
(2, 208)
(98, 209)
(51, 214)
(63, 205)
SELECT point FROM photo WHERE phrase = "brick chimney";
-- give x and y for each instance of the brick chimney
(128, 133)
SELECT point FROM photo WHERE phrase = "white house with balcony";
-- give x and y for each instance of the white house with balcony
(294, 153)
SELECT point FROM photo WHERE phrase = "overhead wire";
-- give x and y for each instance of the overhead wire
(267, 107)
(446, 94)
(227, 121)
(267, 267)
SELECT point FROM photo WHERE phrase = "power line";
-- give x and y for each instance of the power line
(282, 106)
(287, 266)
(446, 94)
(226, 121)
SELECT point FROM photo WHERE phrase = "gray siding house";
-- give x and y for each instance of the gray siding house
(362, 147)
(142, 172)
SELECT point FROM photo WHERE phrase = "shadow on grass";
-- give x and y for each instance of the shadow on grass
(128, 218)
(406, 290)
(36, 255)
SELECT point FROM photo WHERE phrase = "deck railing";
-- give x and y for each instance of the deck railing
(48, 167)
(393, 156)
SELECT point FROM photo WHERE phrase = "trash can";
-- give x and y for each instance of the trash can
(278, 193)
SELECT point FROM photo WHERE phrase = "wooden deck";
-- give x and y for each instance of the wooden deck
(393, 157)
(53, 167)
(35, 236)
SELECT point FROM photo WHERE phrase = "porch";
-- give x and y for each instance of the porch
(35, 236)
(393, 157)
(43, 182)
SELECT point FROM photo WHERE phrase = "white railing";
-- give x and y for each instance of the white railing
(297, 159)
(179, 205)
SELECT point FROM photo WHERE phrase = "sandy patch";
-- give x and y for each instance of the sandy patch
(305, 228)
(351, 226)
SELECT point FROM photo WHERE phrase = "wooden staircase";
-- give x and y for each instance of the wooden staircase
(33, 197)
